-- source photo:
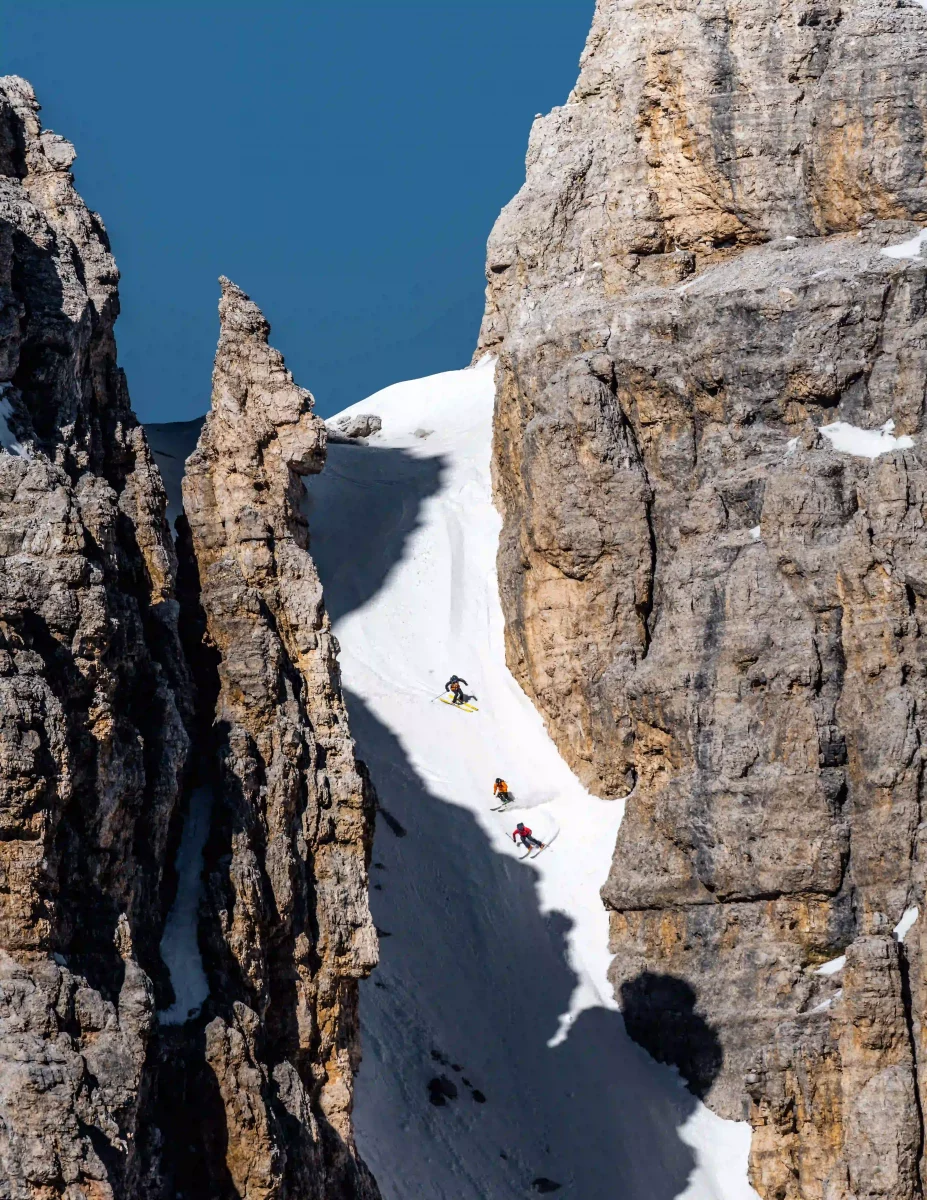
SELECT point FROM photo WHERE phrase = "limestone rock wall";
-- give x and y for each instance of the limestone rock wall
(115, 701)
(697, 128)
(718, 613)
(288, 928)
(94, 692)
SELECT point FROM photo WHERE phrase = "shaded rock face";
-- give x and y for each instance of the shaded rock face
(94, 692)
(104, 730)
(286, 924)
(717, 613)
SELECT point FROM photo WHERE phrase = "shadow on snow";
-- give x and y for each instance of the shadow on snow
(459, 1093)
(381, 507)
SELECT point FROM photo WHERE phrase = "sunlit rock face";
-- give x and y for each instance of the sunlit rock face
(713, 598)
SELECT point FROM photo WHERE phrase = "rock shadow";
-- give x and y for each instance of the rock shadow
(475, 978)
(659, 1014)
(188, 1112)
(383, 504)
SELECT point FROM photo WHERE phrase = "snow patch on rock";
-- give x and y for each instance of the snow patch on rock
(8, 439)
(832, 967)
(903, 928)
(914, 246)
(180, 945)
(865, 443)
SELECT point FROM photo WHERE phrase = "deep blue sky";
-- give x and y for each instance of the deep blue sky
(341, 162)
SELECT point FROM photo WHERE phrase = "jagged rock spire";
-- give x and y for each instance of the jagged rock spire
(287, 912)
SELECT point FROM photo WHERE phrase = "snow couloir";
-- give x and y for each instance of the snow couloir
(495, 1061)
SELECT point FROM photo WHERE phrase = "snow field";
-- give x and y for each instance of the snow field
(492, 983)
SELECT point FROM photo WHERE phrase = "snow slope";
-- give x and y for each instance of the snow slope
(495, 1062)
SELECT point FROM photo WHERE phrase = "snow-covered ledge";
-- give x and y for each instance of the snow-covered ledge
(865, 443)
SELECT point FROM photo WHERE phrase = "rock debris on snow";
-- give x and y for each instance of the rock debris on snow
(358, 425)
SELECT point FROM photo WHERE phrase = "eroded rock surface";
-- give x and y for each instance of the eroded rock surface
(287, 926)
(99, 714)
(94, 693)
(717, 612)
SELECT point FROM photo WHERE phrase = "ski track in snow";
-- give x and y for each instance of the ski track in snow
(493, 971)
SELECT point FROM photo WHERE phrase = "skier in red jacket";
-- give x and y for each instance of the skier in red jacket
(524, 833)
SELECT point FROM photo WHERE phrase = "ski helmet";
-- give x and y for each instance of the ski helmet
(498, 781)
(520, 825)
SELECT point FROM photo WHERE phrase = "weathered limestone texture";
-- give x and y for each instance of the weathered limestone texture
(717, 612)
(94, 693)
(251, 1097)
(289, 932)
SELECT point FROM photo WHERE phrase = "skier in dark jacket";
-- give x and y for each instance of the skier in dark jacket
(524, 833)
(453, 686)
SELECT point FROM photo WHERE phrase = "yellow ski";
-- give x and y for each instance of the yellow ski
(465, 707)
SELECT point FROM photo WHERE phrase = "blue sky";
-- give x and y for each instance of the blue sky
(341, 162)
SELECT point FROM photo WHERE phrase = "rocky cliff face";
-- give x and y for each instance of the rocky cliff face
(288, 927)
(94, 692)
(718, 611)
(104, 729)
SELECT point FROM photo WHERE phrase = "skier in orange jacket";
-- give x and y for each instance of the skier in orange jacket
(501, 789)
